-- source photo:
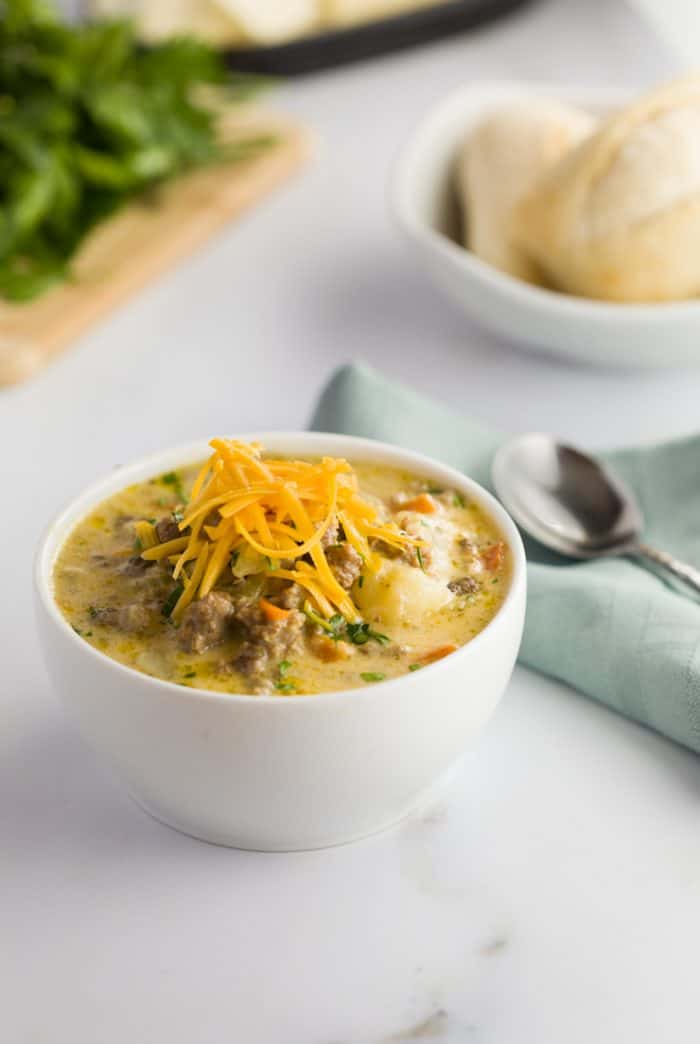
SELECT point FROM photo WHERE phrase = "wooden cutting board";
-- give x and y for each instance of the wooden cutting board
(130, 250)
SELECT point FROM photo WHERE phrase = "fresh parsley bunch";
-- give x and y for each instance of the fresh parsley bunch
(88, 119)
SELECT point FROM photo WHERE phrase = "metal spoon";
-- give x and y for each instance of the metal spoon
(571, 503)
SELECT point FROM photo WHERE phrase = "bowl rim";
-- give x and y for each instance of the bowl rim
(541, 299)
(58, 530)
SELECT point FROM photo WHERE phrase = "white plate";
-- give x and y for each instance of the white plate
(597, 332)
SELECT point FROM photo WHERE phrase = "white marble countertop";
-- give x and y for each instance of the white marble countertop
(553, 897)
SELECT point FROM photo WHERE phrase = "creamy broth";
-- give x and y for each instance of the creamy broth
(420, 604)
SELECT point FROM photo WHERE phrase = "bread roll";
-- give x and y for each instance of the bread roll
(619, 217)
(501, 161)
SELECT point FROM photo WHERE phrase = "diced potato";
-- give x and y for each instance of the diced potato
(395, 593)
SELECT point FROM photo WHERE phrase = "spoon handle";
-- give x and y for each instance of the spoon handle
(682, 570)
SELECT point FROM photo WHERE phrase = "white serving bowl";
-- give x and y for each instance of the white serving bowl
(270, 772)
(425, 204)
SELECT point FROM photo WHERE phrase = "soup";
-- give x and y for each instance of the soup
(248, 574)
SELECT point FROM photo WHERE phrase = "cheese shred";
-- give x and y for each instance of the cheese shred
(281, 510)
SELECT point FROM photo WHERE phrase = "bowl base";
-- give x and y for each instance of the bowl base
(421, 803)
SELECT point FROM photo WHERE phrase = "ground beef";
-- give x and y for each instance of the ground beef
(167, 529)
(253, 662)
(267, 641)
(465, 585)
(467, 546)
(346, 564)
(136, 566)
(397, 500)
(132, 619)
(206, 622)
(290, 597)
(330, 537)
(411, 523)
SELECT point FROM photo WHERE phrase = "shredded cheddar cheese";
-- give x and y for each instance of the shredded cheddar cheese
(280, 510)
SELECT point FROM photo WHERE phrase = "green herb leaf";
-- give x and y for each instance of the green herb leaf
(311, 614)
(419, 556)
(361, 580)
(172, 599)
(336, 626)
(372, 676)
(458, 500)
(190, 674)
(283, 684)
(360, 633)
(414, 666)
(89, 119)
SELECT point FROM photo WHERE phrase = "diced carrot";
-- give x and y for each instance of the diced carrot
(438, 654)
(423, 503)
(271, 612)
(328, 650)
(493, 556)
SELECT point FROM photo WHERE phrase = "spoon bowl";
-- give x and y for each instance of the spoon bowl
(566, 499)
(571, 503)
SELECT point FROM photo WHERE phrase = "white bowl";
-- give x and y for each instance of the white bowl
(274, 773)
(424, 202)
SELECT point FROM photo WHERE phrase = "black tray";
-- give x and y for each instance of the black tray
(338, 46)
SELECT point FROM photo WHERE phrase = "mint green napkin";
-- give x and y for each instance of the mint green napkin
(610, 628)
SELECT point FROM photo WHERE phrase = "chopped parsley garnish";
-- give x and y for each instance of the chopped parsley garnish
(458, 500)
(336, 625)
(90, 119)
(177, 516)
(93, 612)
(419, 556)
(360, 633)
(361, 580)
(172, 599)
(171, 478)
(283, 684)
(235, 555)
(272, 563)
(190, 674)
(414, 666)
(137, 545)
(435, 490)
(311, 614)
(372, 676)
